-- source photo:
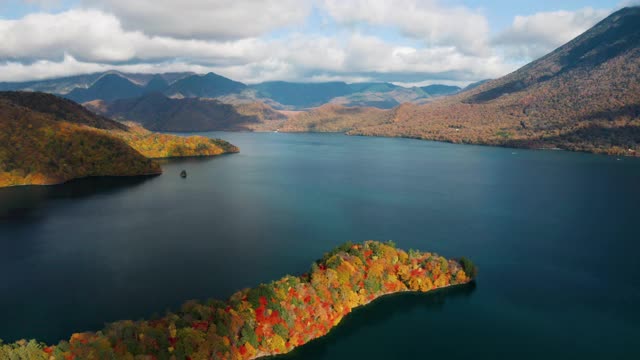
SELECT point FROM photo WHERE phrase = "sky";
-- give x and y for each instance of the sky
(407, 42)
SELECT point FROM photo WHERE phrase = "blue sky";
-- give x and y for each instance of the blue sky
(404, 41)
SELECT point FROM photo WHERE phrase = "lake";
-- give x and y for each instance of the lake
(556, 237)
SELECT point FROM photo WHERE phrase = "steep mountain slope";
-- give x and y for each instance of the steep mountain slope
(60, 108)
(207, 86)
(475, 84)
(160, 113)
(156, 84)
(45, 140)
(108, 88)
(40, 148)
(583, 96)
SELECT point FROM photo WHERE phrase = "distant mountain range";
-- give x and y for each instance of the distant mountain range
(439, 90)
(113, 85)
(158, 112)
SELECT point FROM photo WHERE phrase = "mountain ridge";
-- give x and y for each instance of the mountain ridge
(158, 112)
(583, 96)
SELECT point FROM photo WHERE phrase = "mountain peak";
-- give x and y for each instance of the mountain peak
(208, 86)
(614, 36)
(109, 87)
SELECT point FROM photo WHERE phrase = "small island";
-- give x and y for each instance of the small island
(269, 319)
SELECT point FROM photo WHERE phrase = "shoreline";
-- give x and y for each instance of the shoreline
(271, 318)
(388, 294)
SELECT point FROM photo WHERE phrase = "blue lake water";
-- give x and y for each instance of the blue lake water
(556, 237)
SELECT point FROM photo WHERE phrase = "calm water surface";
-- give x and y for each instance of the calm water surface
(556, 236)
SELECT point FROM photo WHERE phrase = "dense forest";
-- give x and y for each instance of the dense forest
(46, 140)
(266, 320)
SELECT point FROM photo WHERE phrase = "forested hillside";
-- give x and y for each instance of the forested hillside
(584, 96)
(45, 139)
(159, 113)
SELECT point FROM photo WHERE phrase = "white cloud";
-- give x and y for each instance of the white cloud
(536, 35)
(296, 58)
(42, 45)
(427, 20)
(95, 36)
(209, 19)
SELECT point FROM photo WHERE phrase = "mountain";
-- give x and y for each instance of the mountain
(367, 87)
(440, 90)
(39, 146)
(160, 113)
(61, 85)
(60, 109)
(108, 88)
(335, 118)
(207, 86)
(65, 85)
(382, 97)
(302, 94)
(583, 96)
(45, 139)
(475, 84)
(367, 94)
(114, 85)
(156, 84)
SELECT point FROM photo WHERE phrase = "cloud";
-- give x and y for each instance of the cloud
(426, 20)
(92, 35)
(42, 45)
(299, 57)
(629, 3)
(205, 19)
(533, 36)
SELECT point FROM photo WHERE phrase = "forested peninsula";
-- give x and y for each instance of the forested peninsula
(45, 139)
(266, 320)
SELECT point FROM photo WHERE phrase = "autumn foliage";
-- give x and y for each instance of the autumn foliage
(270, 318)
(46, 140)
(584, 96)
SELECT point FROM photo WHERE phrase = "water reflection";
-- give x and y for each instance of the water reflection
(377, 313)
(28, 203)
